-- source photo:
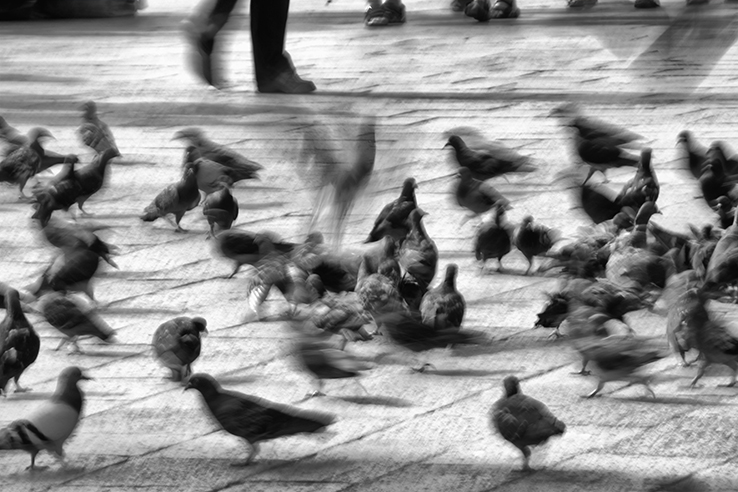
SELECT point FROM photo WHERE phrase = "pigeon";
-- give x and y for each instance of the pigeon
(52, 423)
(211, 175)
(71, 319)
(494, 239)
(443, 306)
(522, 420)
(19, 343)
(326, 360)
(419, 254)
(554, 313)
(694, 154)
(594, 130)
(22, 163)
(489, 163)
(95, 133)
(255, 419)
(177, 344)
(618, 358)
(392, 220)
(725, 210)
(343, 315)
(712, 337)
(377, 292)
(598, 202)
(207, 149)
(478, 196)
(58, 195)
(714, 182)
(177, 198)
(247, 248)
(644, 187)
(601, 157)
(676, 301)
(220, 208)
(722, 269)
(92, 177)
(534, 240)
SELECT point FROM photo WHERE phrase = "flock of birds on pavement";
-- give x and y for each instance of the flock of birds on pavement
(386, 286)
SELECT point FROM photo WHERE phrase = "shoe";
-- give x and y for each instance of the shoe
(459, 5)
(385, 15)
(479, 9)
(287, 83)
(201, 51)
(647, 4)
(505, 9)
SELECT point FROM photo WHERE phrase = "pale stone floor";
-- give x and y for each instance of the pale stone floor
(657, 72)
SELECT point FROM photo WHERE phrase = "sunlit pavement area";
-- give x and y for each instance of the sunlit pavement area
(656, 72)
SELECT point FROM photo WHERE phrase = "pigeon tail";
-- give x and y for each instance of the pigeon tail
(151, 213)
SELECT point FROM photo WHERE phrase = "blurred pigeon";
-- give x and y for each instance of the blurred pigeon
(11, 136)
(594, 130)
(617, 358)
(177, 198)
(19, 342)
(554, 313)
(726, 211)
(92, 177)
(419, 254)
(712, 337)
(220, 208)
(694, 154)
(534, 239)
(19, 165)
(343, 315)
(714, 182)
(255, 419)
(644, 187)
(676, 302)
(601, 157)
(52, 423)
(210, 174)
(73, 321)
(598, 202)
(722, 269)
(478, 196)
(392, 220)
(58, 195)
(443, 306)
(494, 239)
(377, 292)
(207, 149)
(489, 163)
(523, 421)
(94, 132)
(177, 344)
(247, 248)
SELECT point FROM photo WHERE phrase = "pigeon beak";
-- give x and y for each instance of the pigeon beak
(110, 262)
(189, 386)
(86, 377)
(447, 145)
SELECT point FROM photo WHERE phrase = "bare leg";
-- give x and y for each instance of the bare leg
(599, 387)
(700, 372)
(589, 175)
(253, 451)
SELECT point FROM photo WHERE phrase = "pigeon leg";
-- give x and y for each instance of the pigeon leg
(530, 266)
(599, 387)
(732, 382)
(583, 371)
(648, 387)
(700, 372)
(18, 387)
(64, 341)
(607, 180)
(253, 451)
(589, 175)
(557, 334)
(526, 459)
(75, 347)
(500, 268)
(235, 270)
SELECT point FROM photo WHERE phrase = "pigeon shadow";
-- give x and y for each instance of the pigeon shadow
(105, 353)
(470, 373)
(137, 310)
(260, 206)
(30, 395)
(226, 380)
(673, 400)
(385, 401)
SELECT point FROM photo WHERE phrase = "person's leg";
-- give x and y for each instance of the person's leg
(273, 69)
(201, 28)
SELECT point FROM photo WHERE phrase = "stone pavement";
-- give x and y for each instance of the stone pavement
(657, 72)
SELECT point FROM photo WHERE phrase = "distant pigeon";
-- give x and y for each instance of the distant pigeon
(177, 199)
(522, 420)
(68, 316)
(477, 196)
(443, 306)
(489, 163)
(693, 153)
(19, 342)
(418, 254)
(221, 209)
(255, 419)
(94, 132)
(177, 344)
(53, 421)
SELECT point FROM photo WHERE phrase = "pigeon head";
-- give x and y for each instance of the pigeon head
(527, 220)
(417, 215)
(408, 187)
(200, 323)
(646, 157)
(72, 374)
(89, 108)
(645, 212)
(194, 135)
(465, 174)
(512, 386)
(204, 383)
(38, 133)
(454, 141)
(566, 110)
(684, 136)
(451, 270)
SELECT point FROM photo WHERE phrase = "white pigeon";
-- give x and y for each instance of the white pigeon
(52, 423)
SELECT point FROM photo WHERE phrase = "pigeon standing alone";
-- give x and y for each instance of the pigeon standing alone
(221, 209)
(177, 344)
(52, 423)
(255, 419)
(522, 420)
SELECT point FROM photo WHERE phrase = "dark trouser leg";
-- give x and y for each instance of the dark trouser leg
(268, 26)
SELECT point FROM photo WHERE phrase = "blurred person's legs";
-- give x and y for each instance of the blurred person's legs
(273, 67)
(484, 10)
(385, 13)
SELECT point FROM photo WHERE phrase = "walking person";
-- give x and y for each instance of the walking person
(273, 68)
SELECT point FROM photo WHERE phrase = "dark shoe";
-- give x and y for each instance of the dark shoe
(479, 9)
(201, 50)
(385, 15)
(287, 83)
